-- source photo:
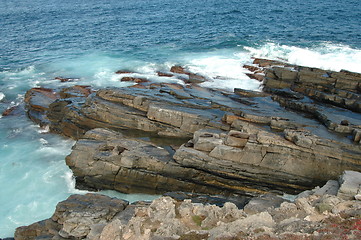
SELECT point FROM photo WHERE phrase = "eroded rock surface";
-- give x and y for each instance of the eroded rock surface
(245, 142)
(75, 218)
(246, 162)
(311, 215)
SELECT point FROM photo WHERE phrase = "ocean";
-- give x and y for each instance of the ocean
(90, 40)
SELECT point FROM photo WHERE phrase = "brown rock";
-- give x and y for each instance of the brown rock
(9, 111)
(134, 79)
(266, 62)
(178, 69)
(123, 72)
(252, 68)
(63, 79)
(139, 86)
(249, 93)
(258, 77)
(76, 91)
(195, 78)
(162, 74)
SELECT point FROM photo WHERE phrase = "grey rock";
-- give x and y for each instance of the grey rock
(350, 183)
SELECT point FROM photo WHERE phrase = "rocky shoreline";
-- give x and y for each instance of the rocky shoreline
(303, 129)
(330, 212)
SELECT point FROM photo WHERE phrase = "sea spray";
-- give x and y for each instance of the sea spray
(325, 55)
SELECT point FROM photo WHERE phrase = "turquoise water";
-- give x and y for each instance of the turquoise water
(90, 40)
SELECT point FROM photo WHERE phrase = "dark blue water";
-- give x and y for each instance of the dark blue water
(41, 30)
(42, 39)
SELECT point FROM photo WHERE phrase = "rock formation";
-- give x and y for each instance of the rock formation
(321, 213)
(231, 149)
(303, 129)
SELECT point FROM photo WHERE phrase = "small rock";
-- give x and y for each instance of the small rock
(162, 74)
(252, 68)
(345, 123)
(236, 139)
(134, 79)
(63, 79)
(178, 69)
(9, 111)
(123, 72)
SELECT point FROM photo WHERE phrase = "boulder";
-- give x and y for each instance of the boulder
(75, 218)
(263, 203)
(350, 185)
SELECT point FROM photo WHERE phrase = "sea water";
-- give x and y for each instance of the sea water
(90, 40)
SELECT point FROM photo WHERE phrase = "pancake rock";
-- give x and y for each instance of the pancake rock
(246, 162)
(246, 142)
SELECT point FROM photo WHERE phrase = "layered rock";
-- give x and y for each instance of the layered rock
(171, 113)
(314, 214)
(341, 89)
(246, 162)
(233, 149)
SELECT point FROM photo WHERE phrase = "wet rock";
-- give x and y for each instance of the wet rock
(9, 111)
(253, 160)
(266, 62)
(249, 93)
(192, 77)
(134, 79)
(76, 91)
(178, 69)
(286, 93)
(63, 79)
(37, 101)
(123, 72)
(252, 68)
(163, 74)
(256, 76)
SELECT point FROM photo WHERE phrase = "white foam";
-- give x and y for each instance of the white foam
(2, 96)
(70, 183)
(45, 129)
(326, 56)
(223, 70)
